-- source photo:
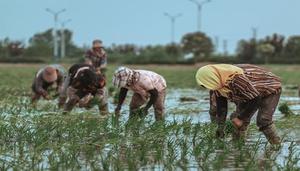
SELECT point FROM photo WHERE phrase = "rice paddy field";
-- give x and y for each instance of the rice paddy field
(42, 138)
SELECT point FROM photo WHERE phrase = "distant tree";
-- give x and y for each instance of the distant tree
(292, 47)
(198, 44)
(9, 48)
(42, 38)
(15, 48)
(3, 49)
(125, 49)
(41, 44)
(277, 41)
(154, 54)
(174, 50)
(266, 50)
(246, 50)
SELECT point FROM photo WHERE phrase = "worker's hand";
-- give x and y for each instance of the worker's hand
(237, 123)
(61, 102)
(117, 110)
(86, 101)
(98, 71)
(220, 133)
(45, 95)
(144, 111)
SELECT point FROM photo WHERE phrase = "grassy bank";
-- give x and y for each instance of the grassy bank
(177, 76)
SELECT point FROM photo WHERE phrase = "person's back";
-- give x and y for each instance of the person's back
(45, 78)
(156, 80)
(263, 80)
(84, 84)
(147, 86)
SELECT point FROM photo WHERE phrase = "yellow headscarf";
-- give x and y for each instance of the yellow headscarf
(216, 77)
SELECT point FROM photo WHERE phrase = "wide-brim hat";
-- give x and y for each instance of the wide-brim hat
(49, 74)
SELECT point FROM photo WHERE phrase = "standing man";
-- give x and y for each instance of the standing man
(97, 57)
(146, 86)
(251, 88)
(51, 75)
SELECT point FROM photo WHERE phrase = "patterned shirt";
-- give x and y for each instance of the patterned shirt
(255, 82)
(97, 59)
(147, 80)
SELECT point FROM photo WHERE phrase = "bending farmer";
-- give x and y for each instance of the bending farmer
(146, 86)
(251, 88)
(84, 85)
(45, 78)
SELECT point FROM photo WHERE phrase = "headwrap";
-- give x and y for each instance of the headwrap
(124, 77)
(216, 77)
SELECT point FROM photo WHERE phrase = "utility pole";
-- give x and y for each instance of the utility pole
(55, 39)
(225, 44)
(63, 41)
(254, 37)
(172, 19)
(216, 43)
(199, 11)
(254, 32)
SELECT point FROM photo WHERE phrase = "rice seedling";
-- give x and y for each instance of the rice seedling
(41, 138)
(285, 110)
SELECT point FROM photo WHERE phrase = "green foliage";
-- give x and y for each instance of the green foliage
(41, 44)
(271, 49)
(198, 44)
(229, 128)
(266, 50)
(285, 110)
(277, 41)
(246, 50)
(292, 49)
(158, 54)
(39, 50)
(10, 48)
(44, 139)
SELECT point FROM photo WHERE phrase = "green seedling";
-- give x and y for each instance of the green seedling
(229, 128)
(285, 109)
(43, 139)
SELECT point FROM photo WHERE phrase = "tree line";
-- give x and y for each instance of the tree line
(193, 47)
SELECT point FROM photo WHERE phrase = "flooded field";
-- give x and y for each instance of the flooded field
(43, 139)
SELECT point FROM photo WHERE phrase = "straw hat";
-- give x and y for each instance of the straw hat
(49, 74)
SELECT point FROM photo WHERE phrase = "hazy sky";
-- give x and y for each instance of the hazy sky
(142, 21)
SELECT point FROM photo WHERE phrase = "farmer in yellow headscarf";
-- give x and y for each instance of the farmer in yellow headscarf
(251, 88)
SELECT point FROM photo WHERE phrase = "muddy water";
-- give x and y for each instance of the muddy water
(197, 107)
(196, 110)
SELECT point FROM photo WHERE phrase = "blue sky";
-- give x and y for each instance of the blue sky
(142, 21)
